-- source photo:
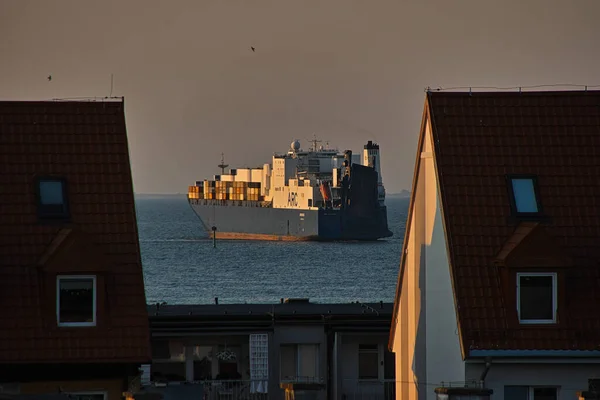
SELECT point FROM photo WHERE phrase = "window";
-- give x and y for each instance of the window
(368, 361)
(299, 363)
(52, 198)
(76, 300)
(88, 396)
(536, 298)
(202, 356)
(168, 361)
(524, 195)
(530, 393)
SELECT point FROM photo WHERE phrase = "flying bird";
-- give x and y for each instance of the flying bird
(253, 49)
(49, 78)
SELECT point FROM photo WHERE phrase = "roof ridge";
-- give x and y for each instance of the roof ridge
(519, 88)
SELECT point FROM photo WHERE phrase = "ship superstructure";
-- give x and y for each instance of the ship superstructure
(314, 194)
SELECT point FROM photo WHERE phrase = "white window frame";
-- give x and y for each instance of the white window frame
(90, 393)
(94, 301)
(554, 277)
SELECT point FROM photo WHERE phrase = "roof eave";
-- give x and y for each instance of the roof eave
(481, 353)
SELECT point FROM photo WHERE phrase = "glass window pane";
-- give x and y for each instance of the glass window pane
(545, 394)
(536, 297)
(202, 356)
(368, 365)
(87, 396)
(308, 355)
(76, 300)
(524, 193)
(176, 351)
(288, 362)
(51, 192)
(160, 350)
(168, 371)
(516, 392)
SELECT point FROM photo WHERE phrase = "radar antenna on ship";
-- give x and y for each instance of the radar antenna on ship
(223, 165)
(314, 142)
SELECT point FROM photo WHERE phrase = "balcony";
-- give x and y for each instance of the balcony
(206, 390)
(238, 390)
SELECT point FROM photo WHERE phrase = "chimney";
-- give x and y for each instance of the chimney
(216, 300)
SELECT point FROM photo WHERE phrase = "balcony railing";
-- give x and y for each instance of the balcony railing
(368, 389)
(235, 390)
(302, 379)
(213, 389)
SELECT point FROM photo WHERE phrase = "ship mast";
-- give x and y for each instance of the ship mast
(223, 165)
(315, 141)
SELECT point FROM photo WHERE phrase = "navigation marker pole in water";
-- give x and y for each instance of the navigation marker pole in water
(214, 229)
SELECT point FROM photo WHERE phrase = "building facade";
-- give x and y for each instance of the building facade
(320, 351)
(500, 274)
(73, 317)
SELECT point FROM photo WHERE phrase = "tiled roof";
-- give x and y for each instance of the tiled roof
(85, 143)
(479, 139)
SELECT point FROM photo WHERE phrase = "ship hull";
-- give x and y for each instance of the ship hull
(249, 221)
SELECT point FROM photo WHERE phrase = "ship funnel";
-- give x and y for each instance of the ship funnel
(296, 300)
(347, 162)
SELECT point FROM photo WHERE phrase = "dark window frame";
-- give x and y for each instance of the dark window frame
(536, 190)
(43, 212)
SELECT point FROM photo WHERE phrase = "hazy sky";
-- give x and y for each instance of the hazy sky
(349, 71)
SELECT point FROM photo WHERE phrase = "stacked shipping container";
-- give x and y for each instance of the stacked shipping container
(225, 190)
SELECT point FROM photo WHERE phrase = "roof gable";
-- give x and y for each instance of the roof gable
(84, 143)
(425, 149)
(480, 139)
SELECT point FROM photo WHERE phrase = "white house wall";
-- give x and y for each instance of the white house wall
(570, 378)
(426, 344)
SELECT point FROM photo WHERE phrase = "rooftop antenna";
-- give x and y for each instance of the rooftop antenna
(223, 165)
(315, 141)
(111, 85)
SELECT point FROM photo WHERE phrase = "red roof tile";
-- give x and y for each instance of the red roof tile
(479, 139)
(85, 143)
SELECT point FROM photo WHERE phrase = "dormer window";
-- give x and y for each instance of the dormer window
(52, 198)
(76, 300)
(524, 195)
(537, 298)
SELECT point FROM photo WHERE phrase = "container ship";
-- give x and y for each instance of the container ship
(316, 194)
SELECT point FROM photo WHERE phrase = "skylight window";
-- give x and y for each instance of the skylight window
(524, 195)
(52, 198)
